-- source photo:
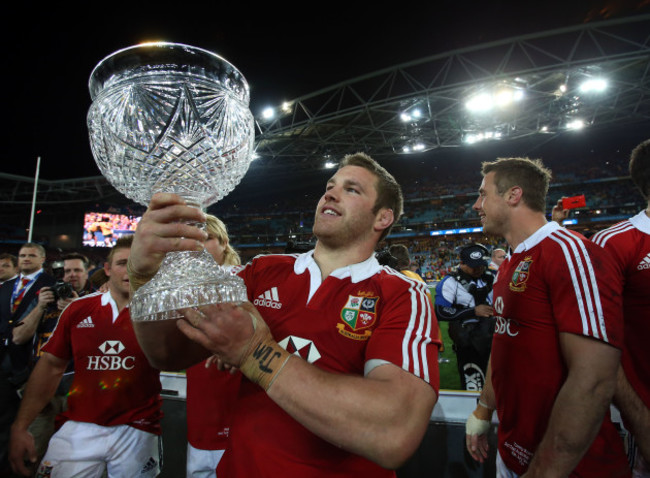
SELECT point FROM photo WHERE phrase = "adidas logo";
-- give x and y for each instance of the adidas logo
(645, 263)
(149, 465)
(270, 298)
(87, 322)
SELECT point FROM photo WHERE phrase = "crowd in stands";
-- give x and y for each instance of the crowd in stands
(437, 201)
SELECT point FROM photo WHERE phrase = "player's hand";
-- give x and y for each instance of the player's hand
(167, 225)
(559, 214)
(63, 303)
(22, 451)
(238, 335)
(484, 310)
(214, 360)
(45, 297)
(224, 329)
(476, 434)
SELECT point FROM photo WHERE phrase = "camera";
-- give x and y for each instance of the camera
(62, 290)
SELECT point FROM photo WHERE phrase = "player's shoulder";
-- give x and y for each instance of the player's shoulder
(620, 232)
(270, 260)
(391, 280)
(84, 302)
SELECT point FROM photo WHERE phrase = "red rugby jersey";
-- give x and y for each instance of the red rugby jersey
(358, 314)
(113, 381)
(555, 281)
(629, 244)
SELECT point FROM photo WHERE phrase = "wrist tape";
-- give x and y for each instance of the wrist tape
(476, 426)
(263, 360)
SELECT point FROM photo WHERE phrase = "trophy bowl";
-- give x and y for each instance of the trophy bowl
(174, 118)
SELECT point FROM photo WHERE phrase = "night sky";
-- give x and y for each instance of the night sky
(284, 52)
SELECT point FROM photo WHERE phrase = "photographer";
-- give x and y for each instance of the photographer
(463, 299)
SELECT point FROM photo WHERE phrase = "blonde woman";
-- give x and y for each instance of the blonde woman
(210, 392)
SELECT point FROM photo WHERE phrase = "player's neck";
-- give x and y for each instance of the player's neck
(329, 259)
(120, 299)
(524, 225)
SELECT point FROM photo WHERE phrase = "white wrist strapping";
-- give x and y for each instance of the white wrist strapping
(476, 426)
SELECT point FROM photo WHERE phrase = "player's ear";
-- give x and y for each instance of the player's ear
(107, 269)
(514, 195)
(385, 218)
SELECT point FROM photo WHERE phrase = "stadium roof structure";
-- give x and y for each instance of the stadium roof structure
(538, 85)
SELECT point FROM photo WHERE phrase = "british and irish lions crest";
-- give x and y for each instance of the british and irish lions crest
(173, 118)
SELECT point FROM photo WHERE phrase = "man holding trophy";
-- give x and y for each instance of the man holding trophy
(332, 360)
(340, 365)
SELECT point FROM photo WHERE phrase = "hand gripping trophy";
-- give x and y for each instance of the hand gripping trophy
(173, 118)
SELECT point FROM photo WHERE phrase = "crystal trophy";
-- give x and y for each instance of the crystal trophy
(173, 118)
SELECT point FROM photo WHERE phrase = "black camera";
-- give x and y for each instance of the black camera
(62, 290)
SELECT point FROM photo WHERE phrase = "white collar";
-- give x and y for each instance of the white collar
(107, 299)
(357, 272)
(641, 221)
(537, 237)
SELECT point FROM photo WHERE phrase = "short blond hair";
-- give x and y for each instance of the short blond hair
(529, 174)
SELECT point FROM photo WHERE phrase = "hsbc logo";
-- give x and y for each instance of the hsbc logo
(498, 305)
(503, 326)
(111, 347)
(111, 359)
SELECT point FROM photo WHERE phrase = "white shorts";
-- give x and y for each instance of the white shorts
(641, 468)
(202, 463)
(502, 470)
(84, 450)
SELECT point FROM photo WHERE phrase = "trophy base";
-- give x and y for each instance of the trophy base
(184, 280)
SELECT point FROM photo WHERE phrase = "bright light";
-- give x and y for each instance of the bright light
(576, 124)
(518, 95)
(268, 113)
(596, 85)
(330, 165)
(286, 107)
(544, 129)
(417, 114)
(482, 102)
(563, 88)
(503, 98)
(418, 147)
(405, 117)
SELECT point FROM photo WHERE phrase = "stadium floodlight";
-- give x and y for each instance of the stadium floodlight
(575, 124)
(330, 164)
(480, 103)
(268, 113)
(286, 107)
(593, 85)
(405, 117)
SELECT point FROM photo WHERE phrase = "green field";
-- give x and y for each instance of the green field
(449, 378)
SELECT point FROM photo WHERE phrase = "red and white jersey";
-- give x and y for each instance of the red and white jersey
(216, 391)
(629, 244)
(359, 317)
(555, 281)
(113, 381)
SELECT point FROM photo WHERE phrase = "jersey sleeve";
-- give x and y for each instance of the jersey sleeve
(60, 343)
(407, 332)
(584, 291)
